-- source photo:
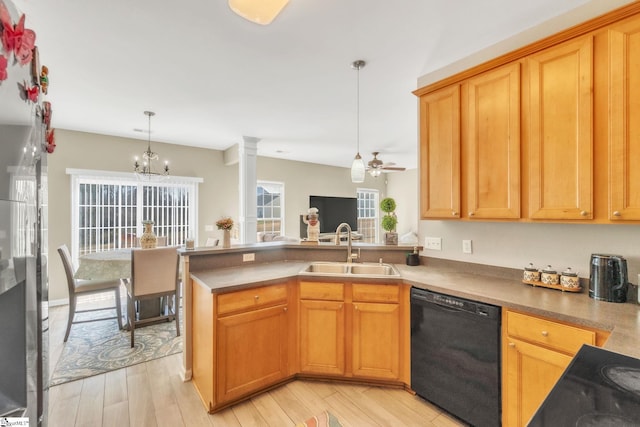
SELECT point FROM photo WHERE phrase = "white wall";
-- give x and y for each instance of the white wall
(403, 187)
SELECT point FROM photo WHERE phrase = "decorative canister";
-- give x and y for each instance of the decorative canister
(550, 276)
(531, 274)
(569, 279)
(148, 240)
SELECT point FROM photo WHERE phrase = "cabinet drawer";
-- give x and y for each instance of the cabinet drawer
(325, 291)
(375, 293)
(549, 333)
(251, 298)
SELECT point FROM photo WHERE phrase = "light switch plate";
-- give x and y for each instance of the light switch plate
(433, 243)
(248, 257)
(466, 247)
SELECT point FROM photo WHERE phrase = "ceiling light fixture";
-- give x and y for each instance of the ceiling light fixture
(357, 167)
(145, 171)
(259, 11)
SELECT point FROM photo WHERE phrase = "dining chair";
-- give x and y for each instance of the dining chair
(154, 275)
(78, 287)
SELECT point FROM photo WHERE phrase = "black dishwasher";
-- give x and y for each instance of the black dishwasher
(455, 355)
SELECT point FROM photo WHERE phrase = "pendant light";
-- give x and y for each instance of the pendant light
(146, 171)
(357, 167)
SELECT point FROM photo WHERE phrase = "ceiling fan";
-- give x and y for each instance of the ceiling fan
(376, 166)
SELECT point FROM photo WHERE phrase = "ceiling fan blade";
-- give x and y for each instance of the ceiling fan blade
(389, 168)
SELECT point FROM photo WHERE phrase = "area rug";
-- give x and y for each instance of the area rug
(97, 347)
(325, 419)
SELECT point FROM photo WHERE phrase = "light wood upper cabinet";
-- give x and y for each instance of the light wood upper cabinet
(560, 151)
(624, 121)
(440, 153)
(491, 144)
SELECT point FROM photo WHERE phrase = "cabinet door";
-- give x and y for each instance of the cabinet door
(322, 337)
(492, 144)
(531, 372)
(252, 351)
(375, 340)
(624, 121)
(560, 137)
(440, 154)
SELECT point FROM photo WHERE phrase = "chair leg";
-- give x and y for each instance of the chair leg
(131, 320)
(176, 312)
(118, 308)
(72, 313)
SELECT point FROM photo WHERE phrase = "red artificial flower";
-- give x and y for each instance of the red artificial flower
(32, 92)
(3, 68)
(16, 38)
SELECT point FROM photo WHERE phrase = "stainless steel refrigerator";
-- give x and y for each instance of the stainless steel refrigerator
(23, 249)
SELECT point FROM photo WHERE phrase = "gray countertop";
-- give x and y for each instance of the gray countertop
(623, 320)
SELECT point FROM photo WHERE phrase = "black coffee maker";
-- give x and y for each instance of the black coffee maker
(608, 279)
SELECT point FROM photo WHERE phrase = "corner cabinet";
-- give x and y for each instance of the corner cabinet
(229, 331)
(561, 131)
(536, 351)
(440, 154)
(354, 330)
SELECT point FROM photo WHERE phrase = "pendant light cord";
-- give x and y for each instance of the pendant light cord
(358, 110)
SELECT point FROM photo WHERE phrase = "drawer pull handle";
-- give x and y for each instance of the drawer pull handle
(512, 344)
(545, 333)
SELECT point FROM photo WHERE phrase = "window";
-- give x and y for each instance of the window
(270, 207)
(108, 209)
(368, 214)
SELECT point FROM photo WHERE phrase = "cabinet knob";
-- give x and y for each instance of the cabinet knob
(512, 344)
(355, 307)
(583, 213)
(284, 309)
(257, 297)
(454, 213)
(617, 213)
(545, 333)
(471, 213)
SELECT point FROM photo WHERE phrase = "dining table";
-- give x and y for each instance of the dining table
(114, 264)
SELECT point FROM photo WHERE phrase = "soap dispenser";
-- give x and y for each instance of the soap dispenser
(413, 258)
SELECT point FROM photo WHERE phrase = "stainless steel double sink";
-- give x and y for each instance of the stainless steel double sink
(351, 269)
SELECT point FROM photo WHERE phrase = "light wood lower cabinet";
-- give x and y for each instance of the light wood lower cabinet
(354, 330)
(241, 342)
(535, 353)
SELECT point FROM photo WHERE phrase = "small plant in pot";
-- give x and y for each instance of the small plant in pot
(389, 221)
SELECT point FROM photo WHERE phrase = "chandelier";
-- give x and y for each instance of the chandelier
(145, 170)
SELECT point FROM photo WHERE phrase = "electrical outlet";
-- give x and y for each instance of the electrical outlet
(248, 257)
(433, 243)
(208, 228)
(466, 247)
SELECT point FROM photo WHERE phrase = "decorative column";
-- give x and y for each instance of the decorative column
(248, 181)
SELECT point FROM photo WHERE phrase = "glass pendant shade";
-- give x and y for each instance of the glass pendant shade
(357, 169)
(258, 11)
(375, 172)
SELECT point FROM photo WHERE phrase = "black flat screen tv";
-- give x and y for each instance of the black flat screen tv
(333, 211)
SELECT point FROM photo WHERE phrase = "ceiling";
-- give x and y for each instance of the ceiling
(213, 77)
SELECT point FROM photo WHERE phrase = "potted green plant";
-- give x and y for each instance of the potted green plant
(389, 221)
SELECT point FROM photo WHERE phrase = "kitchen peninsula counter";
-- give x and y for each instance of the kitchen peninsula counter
(494, 285)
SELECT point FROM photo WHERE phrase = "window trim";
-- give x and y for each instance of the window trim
(93, 176)
(283, 224)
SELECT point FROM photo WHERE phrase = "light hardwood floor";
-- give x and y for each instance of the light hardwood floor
(152, 394)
